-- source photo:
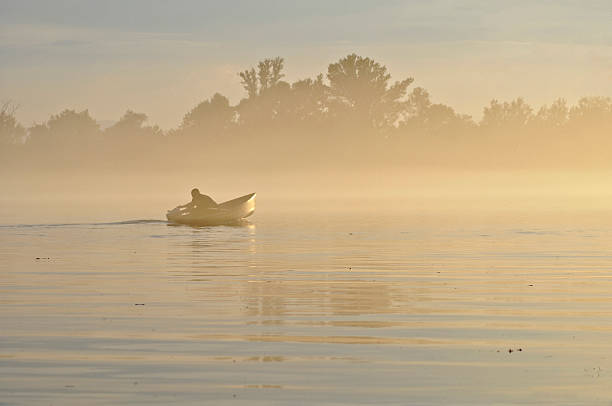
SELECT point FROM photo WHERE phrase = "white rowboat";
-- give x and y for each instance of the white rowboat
(228, 212)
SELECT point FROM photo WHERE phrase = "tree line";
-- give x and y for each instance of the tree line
(354, 106)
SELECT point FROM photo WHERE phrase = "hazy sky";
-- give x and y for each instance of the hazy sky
(163, 57)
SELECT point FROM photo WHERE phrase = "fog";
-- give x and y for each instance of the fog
(350, 137)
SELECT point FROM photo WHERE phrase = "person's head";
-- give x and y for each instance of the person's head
(195, 192)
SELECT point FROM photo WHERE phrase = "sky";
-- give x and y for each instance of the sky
(164, 57)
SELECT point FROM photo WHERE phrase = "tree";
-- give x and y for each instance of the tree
(71, 124)
(38, 133)
(249, 82)
(507, 116)
(592, 113)
(553, 117)
(301, 104)
(309, 100)
(212, 115)
(269, 73)
(442, 119)
(418, 102)
(267, 94)
(11, 131)
(422, 116)
(360, 86)
(132, 124)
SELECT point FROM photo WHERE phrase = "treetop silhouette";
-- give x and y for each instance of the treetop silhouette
(355, 106)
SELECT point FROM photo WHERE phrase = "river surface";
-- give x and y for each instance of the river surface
(320, 307)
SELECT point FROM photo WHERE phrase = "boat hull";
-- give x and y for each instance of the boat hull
(229, 212)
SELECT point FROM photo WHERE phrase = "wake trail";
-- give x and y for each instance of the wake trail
(113, 223)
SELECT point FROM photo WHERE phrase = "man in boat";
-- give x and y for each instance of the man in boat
(199, 201)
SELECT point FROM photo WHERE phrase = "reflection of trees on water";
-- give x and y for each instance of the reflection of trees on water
(231, 267)
(360, 298)
(277, 298)
(266, 298)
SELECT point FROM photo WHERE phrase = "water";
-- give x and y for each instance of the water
(322, 307)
